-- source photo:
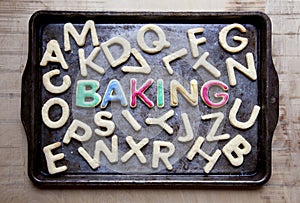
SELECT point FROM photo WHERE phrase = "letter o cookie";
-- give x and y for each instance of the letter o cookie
(65, 113)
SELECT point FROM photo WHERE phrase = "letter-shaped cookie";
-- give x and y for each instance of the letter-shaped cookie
(53, 48)
(158, 45)
(235, 150)
(114, 93)
(86, 89)
(192, 97)
(72, 132)
(223, 36)
(125, 54)
(105, 123)
(161, 121)
(69, 29)
(100, 146)
(50, 158)
(135, 149)
(194, 42)
(84, 62)
(232, 64)
(211, 159)
(234, 110)
(223, 95)
(134, 93)
(53, 88)
(164, 156)
(65, 113)
(208, 66)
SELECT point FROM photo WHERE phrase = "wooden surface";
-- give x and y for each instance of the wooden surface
(284, 185)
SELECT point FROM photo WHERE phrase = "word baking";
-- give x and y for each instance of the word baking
(88, 96)
(114, 93)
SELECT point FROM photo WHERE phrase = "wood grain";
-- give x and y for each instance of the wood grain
(284, 185)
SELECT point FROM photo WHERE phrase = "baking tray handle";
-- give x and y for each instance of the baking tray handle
(27, 101)
(273, 103)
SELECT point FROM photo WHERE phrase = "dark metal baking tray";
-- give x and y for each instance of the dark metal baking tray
(256, 168)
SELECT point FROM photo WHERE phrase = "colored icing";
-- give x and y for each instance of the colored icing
(192, 97)
(86, 95)
(205, 96)
(134, 93)
(114, 92)
(160, 93)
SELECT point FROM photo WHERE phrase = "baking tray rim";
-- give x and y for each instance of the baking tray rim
(271, 98)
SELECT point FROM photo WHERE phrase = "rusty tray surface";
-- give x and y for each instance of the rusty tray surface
(256, 167)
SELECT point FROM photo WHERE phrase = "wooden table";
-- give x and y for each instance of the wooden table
(284, 185)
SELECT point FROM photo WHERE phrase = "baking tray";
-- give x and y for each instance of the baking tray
(263, 91)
